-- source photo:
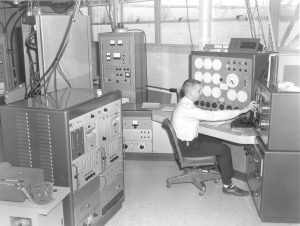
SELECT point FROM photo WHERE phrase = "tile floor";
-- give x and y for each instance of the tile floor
(148, 202)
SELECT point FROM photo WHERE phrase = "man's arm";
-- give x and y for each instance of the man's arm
(220, 115)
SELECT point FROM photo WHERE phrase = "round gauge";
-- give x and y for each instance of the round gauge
(207, 64)
(198, 63)
(231, 95)
(206, 91)
(216, 92)
(207, 77)
(217, 64)
(232, 80)
(216, 78)
(199, 76)
(242, 96)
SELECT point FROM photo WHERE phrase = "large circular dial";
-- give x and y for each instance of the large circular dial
(206, 91)
(216, 78)
(207, 63)
(232, 80)
(242, 96)
(216, 92)
(199, 76)
(231, 95)
(217, 64)
(207, 77)
(198, 63)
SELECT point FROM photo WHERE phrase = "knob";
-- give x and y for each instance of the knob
(264, 123)
(221, 107)
(207, 104)
(214, 105)
(142, 146)
(264, 109)
(201, 103)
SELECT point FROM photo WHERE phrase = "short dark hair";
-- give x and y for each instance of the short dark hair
(189, 83)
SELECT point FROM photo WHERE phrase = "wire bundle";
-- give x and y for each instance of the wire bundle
(51, 71)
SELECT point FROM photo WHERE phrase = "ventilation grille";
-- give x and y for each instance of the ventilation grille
(23, 139)
(44, 145)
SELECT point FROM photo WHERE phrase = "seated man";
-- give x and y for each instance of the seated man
(185, 120)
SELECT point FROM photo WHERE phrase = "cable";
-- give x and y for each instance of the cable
(37, 88)
(2, 26)
(109, 16)
(188, 20)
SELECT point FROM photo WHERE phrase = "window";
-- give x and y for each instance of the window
(288, 27)
(228, 20)
(140, 15)
(100, 20)
(197, 22)
(179, 21)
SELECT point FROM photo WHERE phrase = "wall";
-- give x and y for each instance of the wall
(167, 67)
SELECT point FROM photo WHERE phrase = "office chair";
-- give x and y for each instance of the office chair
(196, 170)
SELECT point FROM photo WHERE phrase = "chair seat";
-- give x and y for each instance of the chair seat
(198, 161)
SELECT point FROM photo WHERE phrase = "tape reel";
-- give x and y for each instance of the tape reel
(41, 193)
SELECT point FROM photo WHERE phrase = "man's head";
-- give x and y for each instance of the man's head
(192, 89)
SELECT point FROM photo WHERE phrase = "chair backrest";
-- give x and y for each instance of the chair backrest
(173, 140)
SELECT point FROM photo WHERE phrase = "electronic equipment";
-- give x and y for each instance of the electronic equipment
(42, 37)
(30, 214)
(17, 183)
(76, 138)
(242, 45)
(284, 71)
(6, 82)
(277, 120)
(123, 64)
(273, 180)
(137, 129)
(227, 78)
(15, 94)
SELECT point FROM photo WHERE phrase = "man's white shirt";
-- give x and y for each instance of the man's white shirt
(186, 117)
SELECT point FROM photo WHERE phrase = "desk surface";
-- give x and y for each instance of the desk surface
(224, 132)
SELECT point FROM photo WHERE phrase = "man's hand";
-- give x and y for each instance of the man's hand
(251, 107)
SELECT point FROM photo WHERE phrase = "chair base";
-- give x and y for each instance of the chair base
(196, 177)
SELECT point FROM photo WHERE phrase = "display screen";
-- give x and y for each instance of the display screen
(248, 45)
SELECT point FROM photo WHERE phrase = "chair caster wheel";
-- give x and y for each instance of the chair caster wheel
(201, 193)
(216, 181)
(168, 185)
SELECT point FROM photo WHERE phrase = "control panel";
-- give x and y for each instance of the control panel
(96, 143)
(226, 78)
(123, 64)
(277, 118)
(137, 131)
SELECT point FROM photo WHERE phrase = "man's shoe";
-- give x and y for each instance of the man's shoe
(234, 190)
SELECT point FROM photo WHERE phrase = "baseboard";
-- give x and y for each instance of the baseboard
(240, 176)
(149, 156)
